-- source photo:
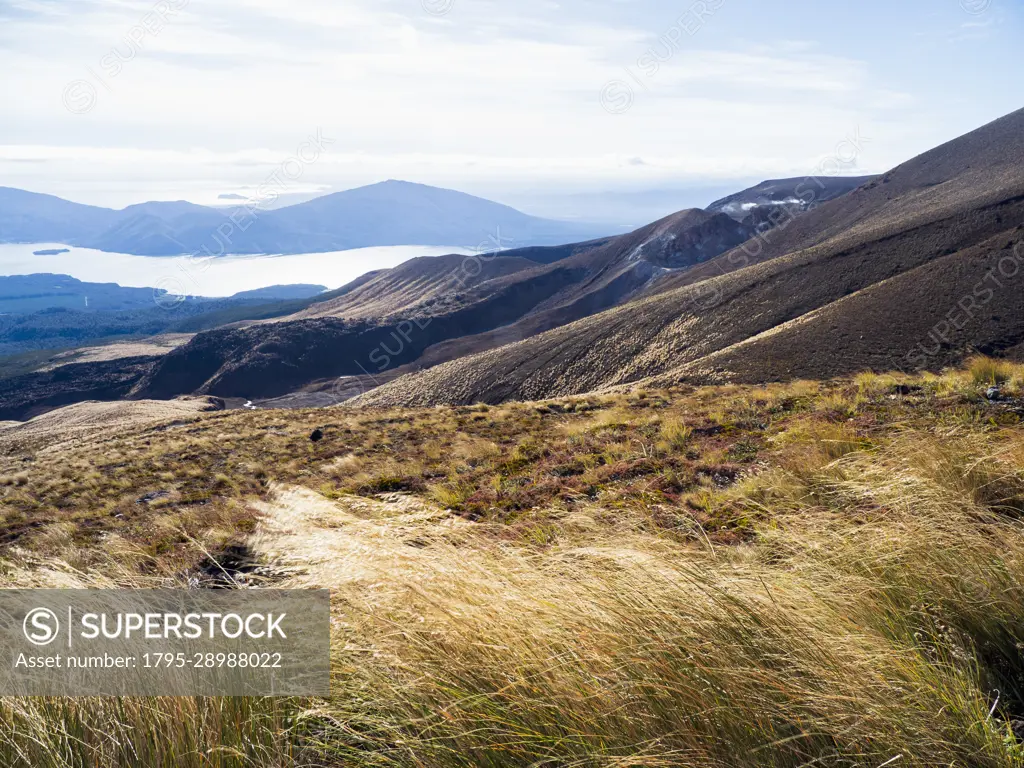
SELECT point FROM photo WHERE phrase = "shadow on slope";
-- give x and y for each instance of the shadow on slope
(958, 205)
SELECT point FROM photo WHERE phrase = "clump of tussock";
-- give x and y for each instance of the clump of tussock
(810, 444)
(826, 642)
(162, 733)
(987, 371)
(675, 435)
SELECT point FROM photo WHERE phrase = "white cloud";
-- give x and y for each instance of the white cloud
(489, 95)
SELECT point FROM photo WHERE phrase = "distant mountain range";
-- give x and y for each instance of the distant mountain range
(389, 213)
(458, 305)
(913, 269)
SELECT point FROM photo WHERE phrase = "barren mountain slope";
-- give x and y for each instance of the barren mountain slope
(31, 394)
(623, 269)
(424, 285)
(393, 318)
(928, 317)
(959, 203)
(972, 172)
(431, 286)
(796, 194)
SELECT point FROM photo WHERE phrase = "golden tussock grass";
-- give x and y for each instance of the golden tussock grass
(826, 591)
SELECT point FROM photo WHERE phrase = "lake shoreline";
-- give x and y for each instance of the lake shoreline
(217, 277)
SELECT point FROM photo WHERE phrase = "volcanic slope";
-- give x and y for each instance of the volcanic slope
(392, 318)
(796, 194)
(861, 282)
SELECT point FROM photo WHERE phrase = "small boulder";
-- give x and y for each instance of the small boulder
(905, 389)
(1017, 728)
(993, 393)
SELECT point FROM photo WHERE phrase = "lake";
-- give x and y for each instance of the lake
(222, 276)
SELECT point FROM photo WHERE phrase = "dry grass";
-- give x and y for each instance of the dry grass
(150, 346)
(714, 577)
(90, 423)
(985, 370)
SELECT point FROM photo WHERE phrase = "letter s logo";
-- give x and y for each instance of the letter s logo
(41, 626)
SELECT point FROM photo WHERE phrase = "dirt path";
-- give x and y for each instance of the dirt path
(308, 540)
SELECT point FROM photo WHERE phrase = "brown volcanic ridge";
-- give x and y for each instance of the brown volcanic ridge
(912, 270)
(392, 318)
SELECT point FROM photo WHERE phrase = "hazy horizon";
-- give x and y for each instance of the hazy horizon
(550, 109)
(639, 206)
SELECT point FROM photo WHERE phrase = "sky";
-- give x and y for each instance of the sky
(575, 109)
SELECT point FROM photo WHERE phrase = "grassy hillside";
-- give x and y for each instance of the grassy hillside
(811, 573)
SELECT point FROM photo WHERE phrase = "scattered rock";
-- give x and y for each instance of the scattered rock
(993, 393)
(317, 435)
(231, 568)
(152, 496)
(904, 389)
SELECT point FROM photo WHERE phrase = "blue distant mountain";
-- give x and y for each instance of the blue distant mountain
(389, 213)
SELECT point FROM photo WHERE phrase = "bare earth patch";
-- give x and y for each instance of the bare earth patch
(92, 422)
(353, 542)
(152, 346)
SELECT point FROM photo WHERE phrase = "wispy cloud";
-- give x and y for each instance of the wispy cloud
(487, 93)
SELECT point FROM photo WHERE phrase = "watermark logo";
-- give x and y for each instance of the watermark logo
(705, 295)
(975, 7)
(153, 642)
(349, 387)
(943, 338)
(437, 7)
(41, 626)
(79, 97)
(169, 292)
(617, 97)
